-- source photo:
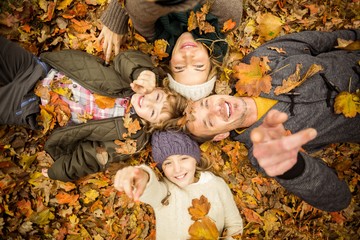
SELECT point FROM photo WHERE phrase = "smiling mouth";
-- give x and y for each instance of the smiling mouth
(228, 109)
(188, 45)
(181, 177)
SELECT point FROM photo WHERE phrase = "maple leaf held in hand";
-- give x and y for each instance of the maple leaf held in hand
(252, 77)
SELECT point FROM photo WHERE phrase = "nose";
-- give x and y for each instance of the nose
(177, 167)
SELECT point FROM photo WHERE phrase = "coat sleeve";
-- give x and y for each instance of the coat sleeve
(155, 190)
(319, 186)
(307, 42)
(83, 149)
(131, 63)
(233, 220)
(115, 18)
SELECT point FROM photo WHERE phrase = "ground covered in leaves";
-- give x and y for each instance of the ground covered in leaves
(34, 207)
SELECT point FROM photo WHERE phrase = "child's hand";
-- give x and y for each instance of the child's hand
(132, 181)
(145, 83)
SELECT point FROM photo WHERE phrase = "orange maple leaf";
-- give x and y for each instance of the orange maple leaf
(204, 229)
(66, 198)
(103, 101)
(200, 208)
(25, 207)
(228, 25)
(252, 77)
(80, 26)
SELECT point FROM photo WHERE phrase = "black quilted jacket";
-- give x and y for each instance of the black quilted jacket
(75, 148)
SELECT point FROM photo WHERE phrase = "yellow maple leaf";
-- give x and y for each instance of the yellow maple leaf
(204, 229)
(294, 80)
(269, 26)
(91, 195)
(103, 101)
(347, 103)
(43, 217)
(252, 77)
(63, 4)
(27, 160)
(200, 208)
(160, 46)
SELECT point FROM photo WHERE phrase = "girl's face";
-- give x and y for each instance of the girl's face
(149, 106)
(190, 62)
(180, 169)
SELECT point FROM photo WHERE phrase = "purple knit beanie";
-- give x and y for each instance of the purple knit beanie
(167, 143)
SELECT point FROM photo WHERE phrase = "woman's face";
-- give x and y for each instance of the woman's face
(190, 62)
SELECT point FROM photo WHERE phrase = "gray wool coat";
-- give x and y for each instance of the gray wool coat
(316, 183)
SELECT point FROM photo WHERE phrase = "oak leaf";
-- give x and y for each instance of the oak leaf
(132, 125)
(200, 208)
(126, 147)
(294, 80)
(252, 77)
(347, 104)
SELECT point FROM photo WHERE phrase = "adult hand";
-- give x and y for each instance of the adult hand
(275, 150)
(145, 83)
(132, 181)
(111, 40)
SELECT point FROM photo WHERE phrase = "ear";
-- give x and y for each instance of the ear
(220, 136)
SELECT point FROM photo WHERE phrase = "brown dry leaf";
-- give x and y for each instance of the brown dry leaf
(349, 45)
(25, 207)
(139, 38)
(252, 77)
(83, 118)
(222, 87)
(348, 104)
(251, 215)
(103, 101)
(126, 147)
(294, 80)
(269, 26)
(228, 25)
(160, 46)
(200, 208)
(192, 22)
(101, 155)
(204, 229)
(279, 50)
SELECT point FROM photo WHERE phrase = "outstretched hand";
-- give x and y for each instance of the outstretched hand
(145, 83)
(132, 181)
(111, 41)
(275, 151)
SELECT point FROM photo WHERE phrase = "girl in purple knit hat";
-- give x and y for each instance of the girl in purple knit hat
(187, 177)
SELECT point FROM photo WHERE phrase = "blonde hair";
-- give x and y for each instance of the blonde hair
(174, 107)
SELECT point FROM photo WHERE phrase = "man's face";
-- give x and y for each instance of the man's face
(215, 115)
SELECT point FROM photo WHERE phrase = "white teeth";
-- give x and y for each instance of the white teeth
(227, 109)
(141, 100)
(180, 177)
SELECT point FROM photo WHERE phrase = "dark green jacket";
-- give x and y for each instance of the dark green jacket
(75, 148)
